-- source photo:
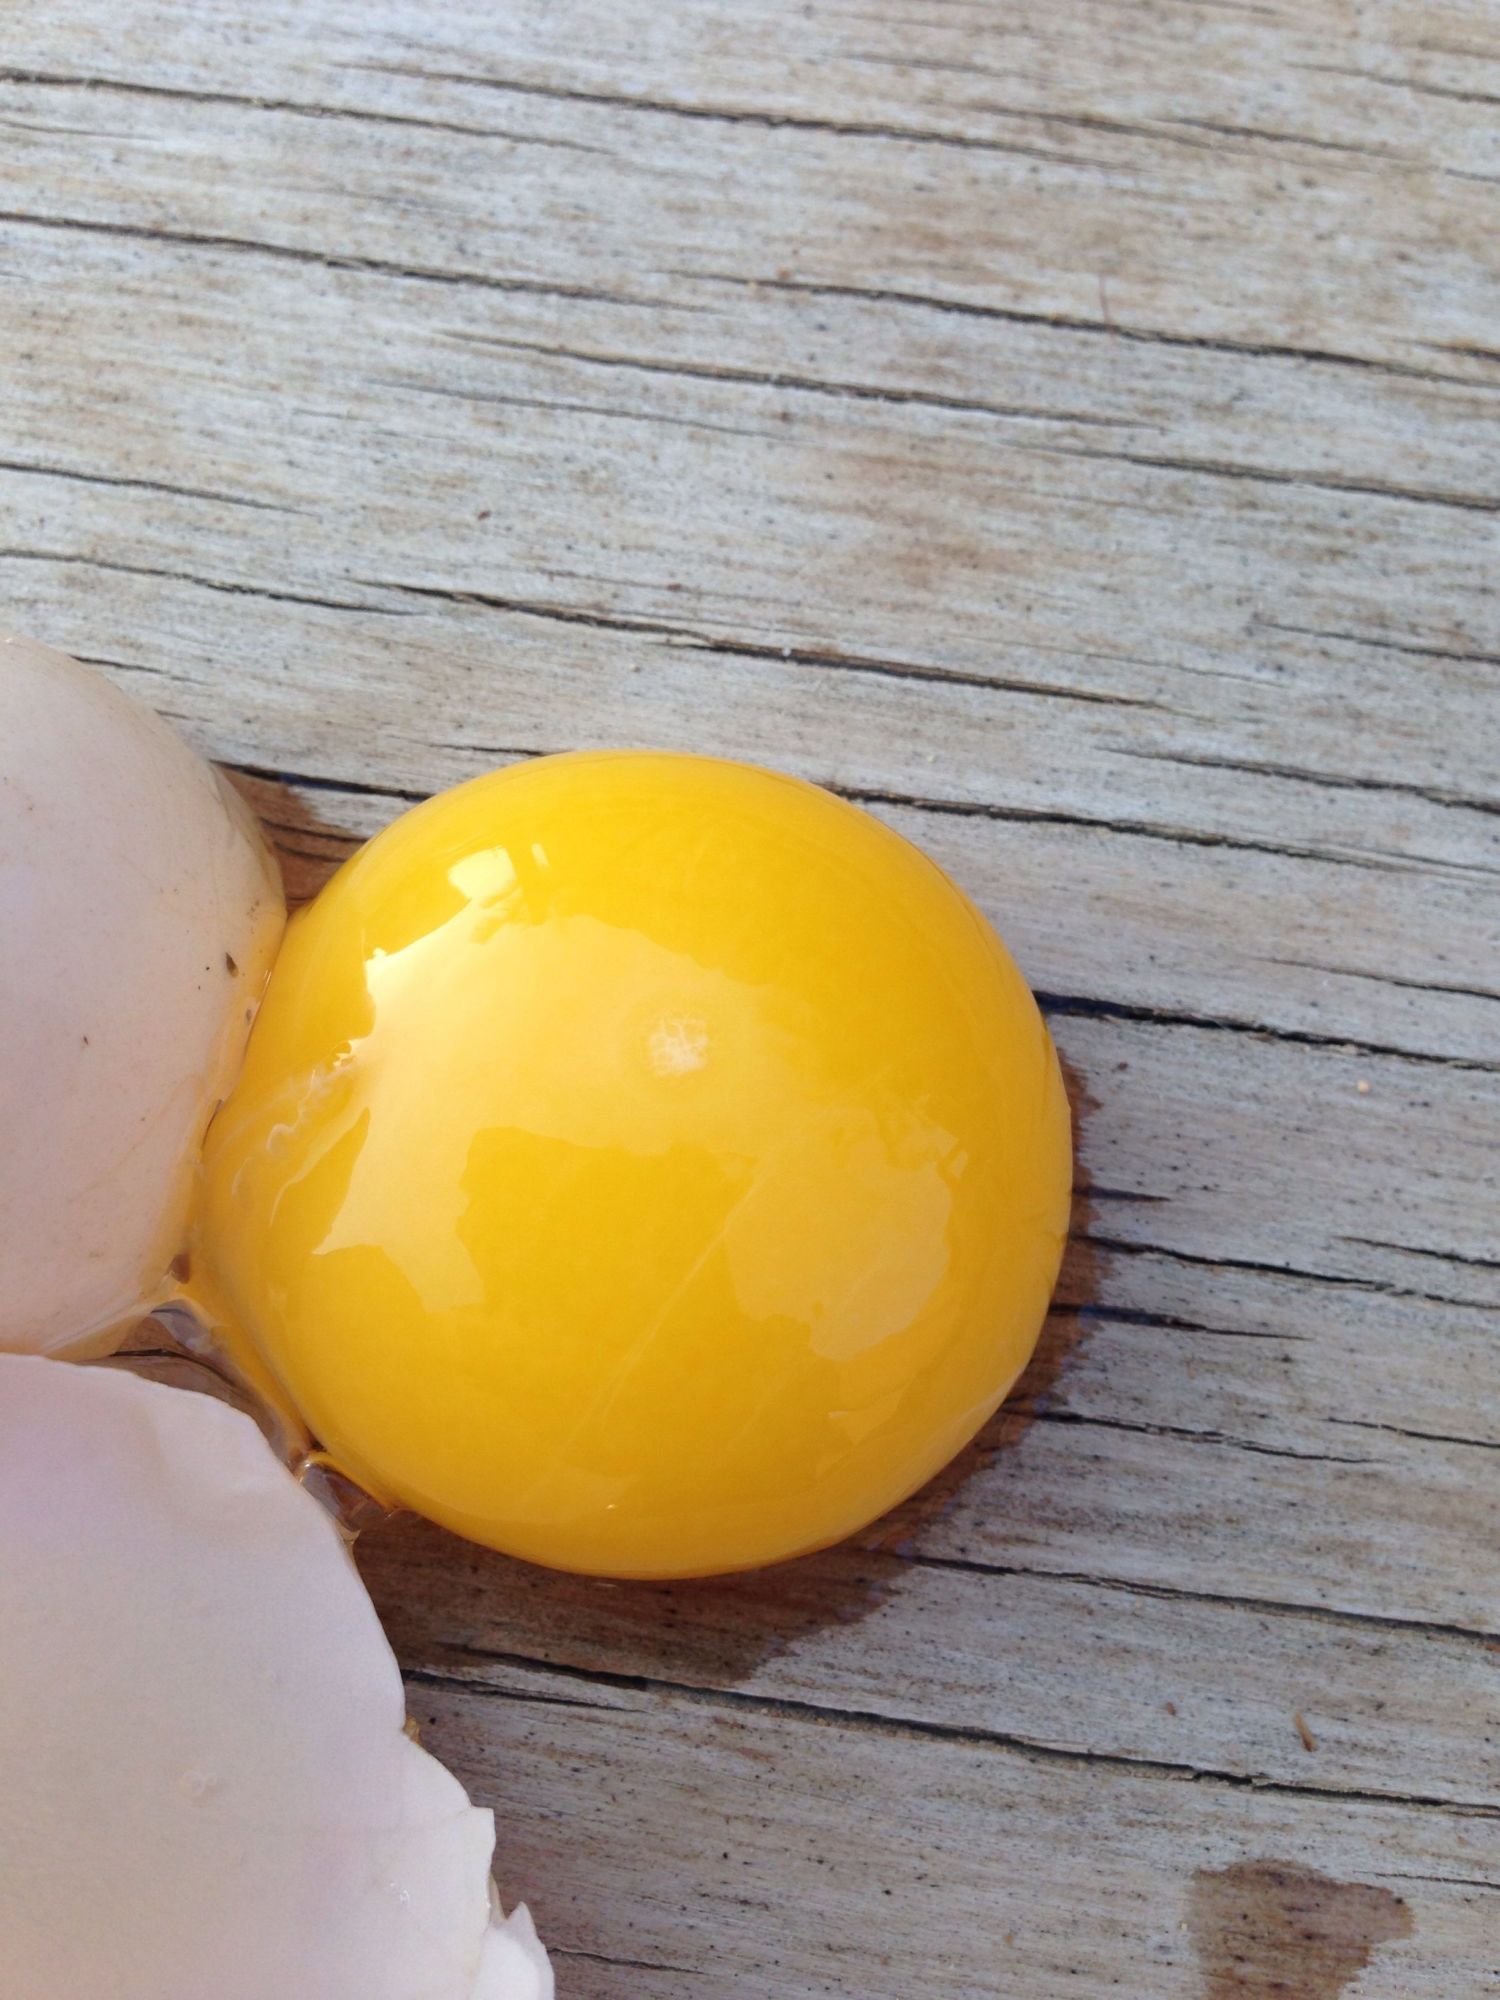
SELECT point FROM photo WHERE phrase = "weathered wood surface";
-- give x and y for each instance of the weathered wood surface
(1071, 429)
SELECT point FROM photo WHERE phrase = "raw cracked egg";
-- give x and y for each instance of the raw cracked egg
(207, 1785)
(643, 1164)
(139, 914)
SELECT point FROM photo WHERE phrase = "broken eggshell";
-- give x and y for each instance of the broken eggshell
(208, 1785)
(139, 915)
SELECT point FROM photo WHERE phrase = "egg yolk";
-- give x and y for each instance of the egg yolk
(642, 1164)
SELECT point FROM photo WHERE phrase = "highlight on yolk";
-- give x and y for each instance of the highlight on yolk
(642, 1164)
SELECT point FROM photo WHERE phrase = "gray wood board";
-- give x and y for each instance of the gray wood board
(1071, 431)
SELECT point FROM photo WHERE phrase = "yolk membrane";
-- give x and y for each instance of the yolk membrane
(642, 1164)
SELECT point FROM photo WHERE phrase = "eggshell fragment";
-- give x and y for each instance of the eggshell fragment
(139, 914)
(207, 1787)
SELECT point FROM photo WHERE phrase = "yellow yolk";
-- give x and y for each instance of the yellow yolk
(642, 1164)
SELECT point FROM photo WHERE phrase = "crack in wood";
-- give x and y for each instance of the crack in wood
(690, 639)
(1124, 1246)
(1085, 1008)
(1276, 1607)
(1382, 154)
(1112, 329)
(717, 114)
(1472, 348)
(1296, 775)
(1390, 979)
(1044, 1414)
(1143, 830)
(1445, 91)
(133, 485)
(292, 253)
(302, 782)
(1465, 1259)
(1452, 1881)
(1384, 645)
(1405, 1431)
(628, 1964)
(1096, 1191)
(219, 585)
(1102, 1313)
(133, 667)
(531, 1698)
(178, 94)
(1170, 132)
(1208, 468)
(562, 406)
(810, 385)
(868, 796)
(914, 1728)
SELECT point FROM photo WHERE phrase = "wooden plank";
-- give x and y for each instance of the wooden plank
(1235, 935)
(1071, 432)
(939, 1867)
(1154, 1678)
(1073, 140)
(1108, 534)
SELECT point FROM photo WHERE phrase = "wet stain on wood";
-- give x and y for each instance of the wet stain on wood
(1269, 1930)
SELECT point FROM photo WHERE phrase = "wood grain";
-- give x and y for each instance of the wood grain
(1071, 431)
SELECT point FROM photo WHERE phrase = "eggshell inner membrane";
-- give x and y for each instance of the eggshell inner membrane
(139, 915)
(207, 1784)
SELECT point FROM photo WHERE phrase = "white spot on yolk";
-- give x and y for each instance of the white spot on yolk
(678, 1044)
